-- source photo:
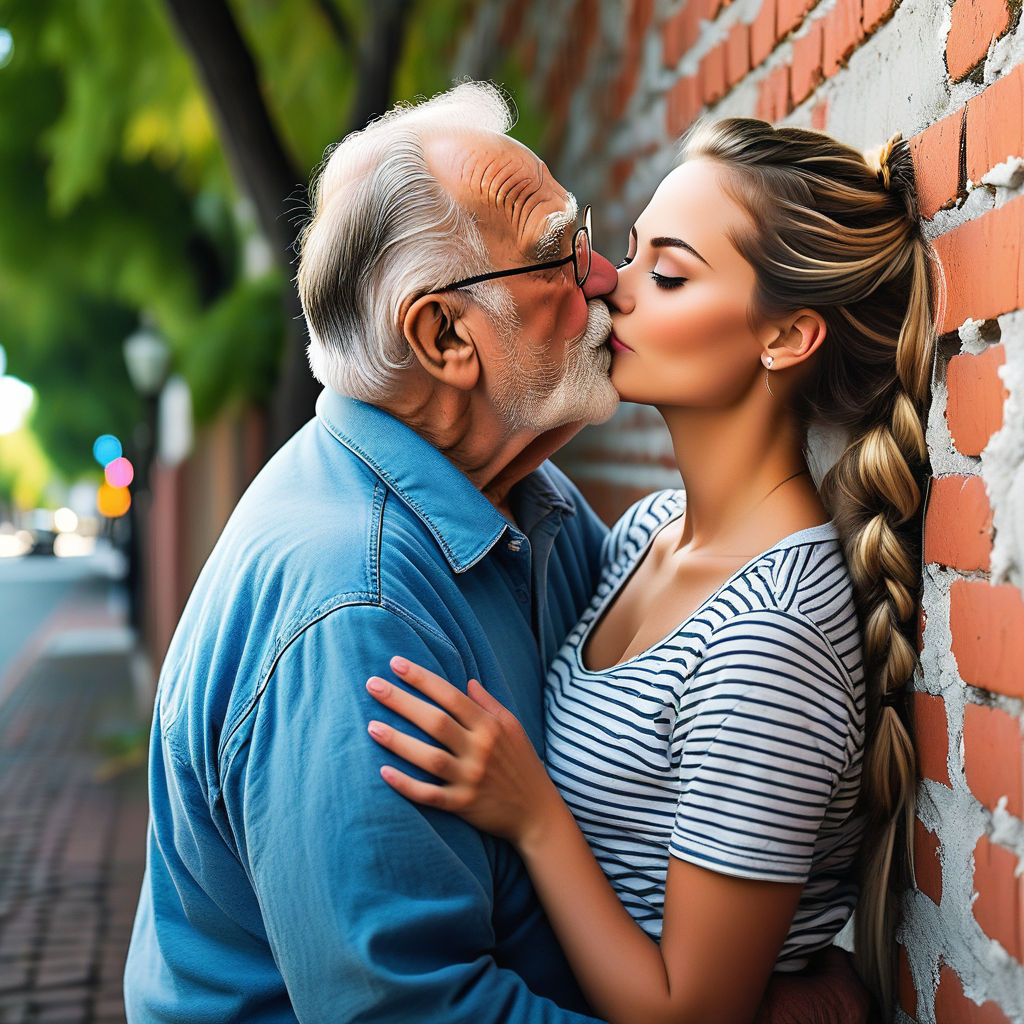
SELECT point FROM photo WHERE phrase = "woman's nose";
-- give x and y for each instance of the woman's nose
(602, 277)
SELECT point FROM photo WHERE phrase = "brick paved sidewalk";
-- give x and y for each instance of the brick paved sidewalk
(72, 820)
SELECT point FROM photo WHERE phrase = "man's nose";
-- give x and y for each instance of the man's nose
(602, 277)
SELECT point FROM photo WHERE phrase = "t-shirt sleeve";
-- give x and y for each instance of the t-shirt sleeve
(634, 527)
(762, 738)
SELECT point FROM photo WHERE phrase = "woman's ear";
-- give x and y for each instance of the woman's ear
(797, 338)
(442, 340)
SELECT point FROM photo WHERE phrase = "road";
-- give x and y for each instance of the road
(72, 791)
(32, 589)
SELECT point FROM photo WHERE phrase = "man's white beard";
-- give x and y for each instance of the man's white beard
(533, 396)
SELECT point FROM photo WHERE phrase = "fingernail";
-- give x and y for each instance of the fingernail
(400, 664)
(375, 729)
(375, 685)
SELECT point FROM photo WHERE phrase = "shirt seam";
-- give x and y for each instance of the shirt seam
(225, 759)
(384, 475)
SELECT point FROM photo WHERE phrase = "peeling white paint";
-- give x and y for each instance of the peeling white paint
(1002, 461)
(1009, 174)
(971, 341)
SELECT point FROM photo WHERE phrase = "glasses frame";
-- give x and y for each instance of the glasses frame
(546, 265)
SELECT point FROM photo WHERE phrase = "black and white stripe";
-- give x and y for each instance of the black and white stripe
(734, 744)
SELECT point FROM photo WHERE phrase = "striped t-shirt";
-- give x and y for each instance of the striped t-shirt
(734, 743)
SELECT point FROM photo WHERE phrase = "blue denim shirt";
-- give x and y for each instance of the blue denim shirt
(285, 881)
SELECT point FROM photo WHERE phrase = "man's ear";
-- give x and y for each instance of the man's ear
(442, 340)
(796, 339)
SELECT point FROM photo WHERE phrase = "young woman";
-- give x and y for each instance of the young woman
(724, 728)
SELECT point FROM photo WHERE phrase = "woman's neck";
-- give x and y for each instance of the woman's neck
(745, 476)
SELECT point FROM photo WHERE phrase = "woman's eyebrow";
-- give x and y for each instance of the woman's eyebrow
(664, 241)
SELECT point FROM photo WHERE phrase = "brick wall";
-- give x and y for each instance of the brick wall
(618, 81)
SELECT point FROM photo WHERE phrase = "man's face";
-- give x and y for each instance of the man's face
(550, 366)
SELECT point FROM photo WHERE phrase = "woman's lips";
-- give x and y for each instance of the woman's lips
(617, 345)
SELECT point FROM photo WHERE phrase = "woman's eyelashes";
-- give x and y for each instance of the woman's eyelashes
(666, 282)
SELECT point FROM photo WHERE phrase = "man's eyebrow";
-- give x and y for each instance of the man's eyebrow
(664, 241)
(550, 244)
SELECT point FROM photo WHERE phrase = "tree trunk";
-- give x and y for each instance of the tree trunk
(260, 163)
(379, 52)
(263, 170)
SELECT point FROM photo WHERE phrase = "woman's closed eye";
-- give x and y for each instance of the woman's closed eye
(667, 282)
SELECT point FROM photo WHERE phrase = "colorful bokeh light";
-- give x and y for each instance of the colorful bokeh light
(119, 472)
(106, 448)
(113, 502)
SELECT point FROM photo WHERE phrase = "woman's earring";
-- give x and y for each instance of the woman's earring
(768, 365)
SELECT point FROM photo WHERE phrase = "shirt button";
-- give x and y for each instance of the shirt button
(522, 595)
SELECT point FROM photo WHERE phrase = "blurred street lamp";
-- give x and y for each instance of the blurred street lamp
(146, 355)
(147, 358)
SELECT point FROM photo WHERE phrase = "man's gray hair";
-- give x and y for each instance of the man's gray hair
(383, 228)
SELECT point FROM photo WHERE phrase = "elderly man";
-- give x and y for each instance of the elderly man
(447, 289)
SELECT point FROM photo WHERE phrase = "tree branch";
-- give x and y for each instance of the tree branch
(339, 24)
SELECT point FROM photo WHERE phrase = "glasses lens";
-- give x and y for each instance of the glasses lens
(582, 250)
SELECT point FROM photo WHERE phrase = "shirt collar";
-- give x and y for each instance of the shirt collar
(465, 524)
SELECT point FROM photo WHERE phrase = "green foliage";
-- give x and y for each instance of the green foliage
(116, 199)
(231, 354)
(24, 469)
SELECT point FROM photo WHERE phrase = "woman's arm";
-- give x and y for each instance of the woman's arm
(721, 935)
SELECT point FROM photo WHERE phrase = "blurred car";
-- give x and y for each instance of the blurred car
(42, 542)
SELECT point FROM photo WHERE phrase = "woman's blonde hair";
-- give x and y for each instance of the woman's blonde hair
(838, 232)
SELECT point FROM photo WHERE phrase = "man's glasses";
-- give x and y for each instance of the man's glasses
(579, 257)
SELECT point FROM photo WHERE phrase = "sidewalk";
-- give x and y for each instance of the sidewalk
(72, 818)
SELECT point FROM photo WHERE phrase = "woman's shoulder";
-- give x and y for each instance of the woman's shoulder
(634, 528)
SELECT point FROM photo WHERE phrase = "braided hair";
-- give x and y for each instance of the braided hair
(839, 232)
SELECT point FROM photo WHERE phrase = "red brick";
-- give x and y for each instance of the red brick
(876, 12)
(638, 18)
(737, 53)
(936, 153)
(773, 96)
(619, 173)
(931, 735)
(953, 1007)
(680, 32)
(974, 404)
(958, 524)
(975, 23)
(683, 103)
(819, 115)
(843, 34)
(762, 32)
(988, 635)
(790, 14)
(984, 265)
(905, 983)
(995, 124)
(712, 74)
(610, 500)
(806, 73)
(999, 908)
(927, 866)
(994, 757)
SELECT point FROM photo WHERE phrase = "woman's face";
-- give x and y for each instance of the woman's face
(681, 337)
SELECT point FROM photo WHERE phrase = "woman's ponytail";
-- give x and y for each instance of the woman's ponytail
(839, 233)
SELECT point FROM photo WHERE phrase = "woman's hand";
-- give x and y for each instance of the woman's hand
(491, 775)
